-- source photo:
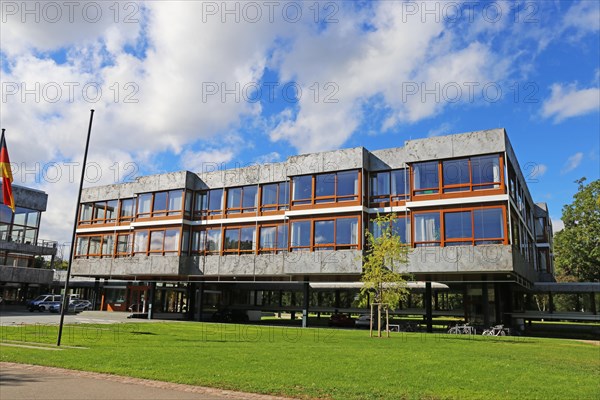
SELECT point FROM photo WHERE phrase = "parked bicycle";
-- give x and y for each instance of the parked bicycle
(497, 330)
(465, 329)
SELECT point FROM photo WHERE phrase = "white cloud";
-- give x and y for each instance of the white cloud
(572, 162)
(557, 225)
(208, 160)
(268, 158)
(537, 171)
(567, 102)
(584, 17)
(443, 129)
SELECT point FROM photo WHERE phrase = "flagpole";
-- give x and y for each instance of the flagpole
(65, 300)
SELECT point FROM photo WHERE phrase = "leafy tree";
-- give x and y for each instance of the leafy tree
(577, 246)
(382, 263)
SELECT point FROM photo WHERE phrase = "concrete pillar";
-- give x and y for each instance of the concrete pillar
(96, 293)
(498, 303)
(428, 312)
(200, 301)
(191, 303)
(551, 302)
(337, 299)
(306, 301)
(593, 303)
(485, 303)
(151, 299)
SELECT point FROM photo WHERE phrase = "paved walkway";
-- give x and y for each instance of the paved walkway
(32, 382)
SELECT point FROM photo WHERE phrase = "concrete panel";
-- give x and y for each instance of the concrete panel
(237, 265)
(381, 160)
(30, 198)
(325, 162)
(269, 264)
(302, 262)
(458, 145)
(461, 259)
(210, 265)
(341, 262)
(26, 275)
(28, 248)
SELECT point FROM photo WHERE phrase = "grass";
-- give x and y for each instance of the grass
(321, 363)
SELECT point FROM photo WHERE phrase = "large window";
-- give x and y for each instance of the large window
(389, 186)
(126, 210)
(20, 227)
(100, 212)
(207, 241)
(94, 246)
(300, 235)
(329, 234)
(273, 239)
(160, 204)
(400, 227)
(157, 242)
(208, 203)
(242, 199)
(426, 177)
(124, 245)
(486, 172)
(456, 175)
(240, 240)
(328, 188)
(465, 227)
(427, 229)
(275, 196)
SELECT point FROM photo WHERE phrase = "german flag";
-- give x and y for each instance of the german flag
(7, 177)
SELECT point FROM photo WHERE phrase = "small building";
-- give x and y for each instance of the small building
(20, 278)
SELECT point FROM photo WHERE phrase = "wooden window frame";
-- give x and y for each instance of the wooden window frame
(239, 251)
(275, 208)
(126, 219)
(327, 246)
(100, 254)
(327, 201)
(280, 247)
(229, 211)
(405, 217)
(390, 199)
(472, 241)
(162, 251)
(160, 214)
(206, 213)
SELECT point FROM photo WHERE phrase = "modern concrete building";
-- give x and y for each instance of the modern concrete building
(290, 235)
(20, 245)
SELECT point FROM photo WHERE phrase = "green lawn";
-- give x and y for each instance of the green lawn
(321, 363)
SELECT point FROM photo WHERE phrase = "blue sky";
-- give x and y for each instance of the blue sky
(191, 85)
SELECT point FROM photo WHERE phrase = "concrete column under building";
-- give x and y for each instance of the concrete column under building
(95, 293)
(428, 312)
(485, 302)
(200, 301)
(151, 296)
(306, 302)
(191, 306)
(593, 303)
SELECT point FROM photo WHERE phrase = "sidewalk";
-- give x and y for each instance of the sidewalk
(32, 382)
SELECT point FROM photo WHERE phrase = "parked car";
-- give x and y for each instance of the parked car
(34, 304)
(52, 306)
(341, 320)
(364, 321)
(80, 305)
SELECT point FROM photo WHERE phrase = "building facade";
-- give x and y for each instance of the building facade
(290, 235)
(20, 277)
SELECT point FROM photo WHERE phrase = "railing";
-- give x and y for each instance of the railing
(23, 240)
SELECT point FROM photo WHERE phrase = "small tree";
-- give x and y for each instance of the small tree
(382, 262)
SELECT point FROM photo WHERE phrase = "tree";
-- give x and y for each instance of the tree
(577, 246)
(382, 262)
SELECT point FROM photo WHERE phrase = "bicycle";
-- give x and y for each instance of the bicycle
(497, 330)
(465, 329)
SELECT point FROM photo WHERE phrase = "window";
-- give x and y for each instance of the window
(324, 235)
(206, 241)
(275, 196)
(456, 175)
(400, 227)
(427, 229)
(95, 246)
(101, 212)
(273, 239)
(215, 202)
(107, 245)
(140, 243)
(240, 240)
(126, 212)
(300, 235)
(486, 172)
(124, 244)
(489, 225)
(389, 186)
(82, 246)
(20, 227)
(457, 227)
(346, 232)
(242, 199)
(426, 178)
(329, 188)
(302, 189)
(144, 203)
